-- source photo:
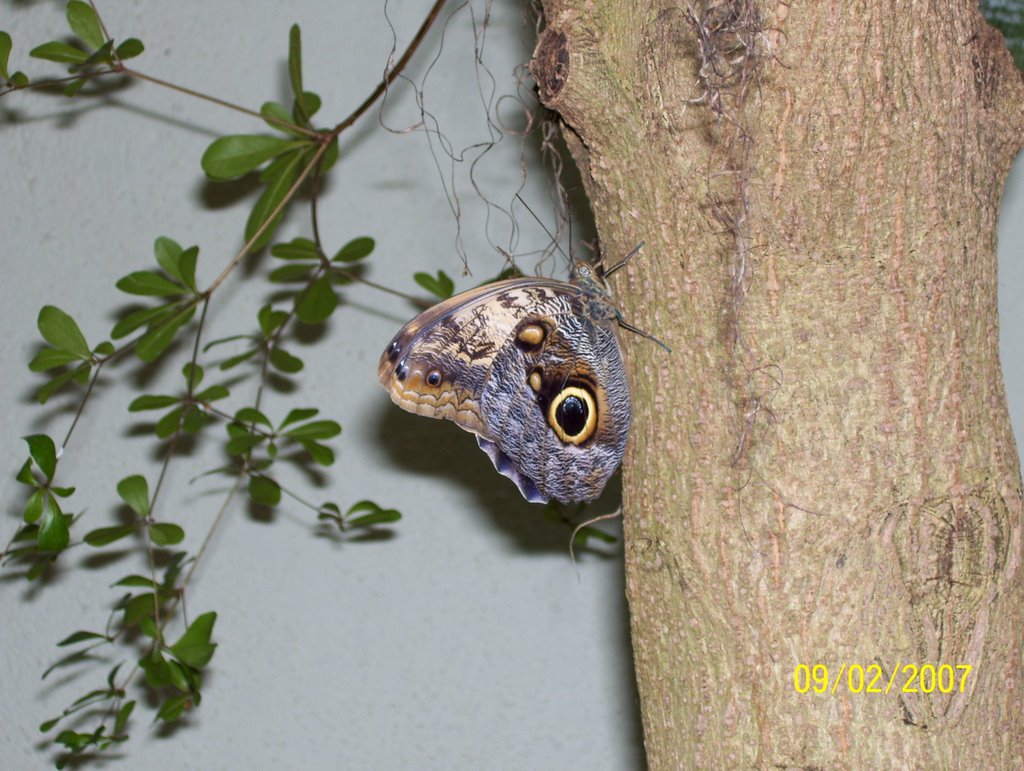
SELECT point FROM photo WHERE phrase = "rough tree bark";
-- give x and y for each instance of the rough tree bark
(822, 471)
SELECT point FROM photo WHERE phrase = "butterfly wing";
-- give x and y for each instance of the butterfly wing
(558, 410)
(438, 363)
(533, 368)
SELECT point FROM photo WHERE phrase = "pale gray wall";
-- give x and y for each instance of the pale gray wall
(467, 641)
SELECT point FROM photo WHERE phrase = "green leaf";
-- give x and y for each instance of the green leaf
(151, 402)
(51, 358)
(5, 54)
(275, 192)
(61, 331)
(46, 725)
(306, 106)
(104, 536)
(239, 445)
(442, 285)
(129, 49)
(172, 708)
(317, 302)
(270, 320)
(74, 86)
(103, 349)
(149, 283)
(60, 381)
(160, 336)
(25, 475)
(53, 531)
(322, 455)
(55, 51)
(193, 420)
(234, 361)
(155, 667)
(167, 252)
(279, 119)
(212, 394)
(139, 607)
(122, 717)
(233, 156)
(193, 374)
(354, 250)
(298, 271)
(296, 415)
(63, 492)
(281, 360)
(141, 318)
(83, 22)
(264, 490)
(194, 648)
(317, 429)
(296, 249)
(252, 415)
(187, 267)
(166, 534)
(137, 582)
(43, 452)
(148, 627)
(82, 636)
(134, 491)
(169, 423)
(295, 60)
(34, 506)
(375, 516)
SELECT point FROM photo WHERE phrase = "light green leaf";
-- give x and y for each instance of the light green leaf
(136, 581)
(5, 54)
(442, 285)
(194, 648)
(83, 22)
(104, 536)
(129, 49)
(60, 381)
(278, 118)
(168, 251)
(317, 302)
(151, 402)
(252, 415)
(232, 156)
(134, 491)
(61, 331)
(321, 454)
(172, 708)
(306, 106)
(43, 452)
(295, 61)
(264, 490)
(317, 429)
(169, 423)
(375, 515)
(166, 534)
(296, 271)
(281, 360)
(55, 51)
(275, 192)
(212, 394)
(122, 717)
(187, 267)
(270, 320)
(159, 337)
(296, 249)
(148, 283)
(143, 317)
(51, 358)
(34, 506)
(234, 361)
(82, 636)
(53, 530)
(354, 250)
(296, 415)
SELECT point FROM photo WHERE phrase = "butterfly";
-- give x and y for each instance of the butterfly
(533, 368)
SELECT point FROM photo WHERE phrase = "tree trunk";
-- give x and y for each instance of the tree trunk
(822, 471)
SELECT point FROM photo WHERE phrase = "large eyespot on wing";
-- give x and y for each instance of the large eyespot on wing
(558, 412)
(438, 363)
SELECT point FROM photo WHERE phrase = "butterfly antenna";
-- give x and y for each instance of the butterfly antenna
(624, 260)
(580, 526)
(545, 227)
(648, 335)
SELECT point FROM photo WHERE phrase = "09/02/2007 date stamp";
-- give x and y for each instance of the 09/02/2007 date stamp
(904, 678)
